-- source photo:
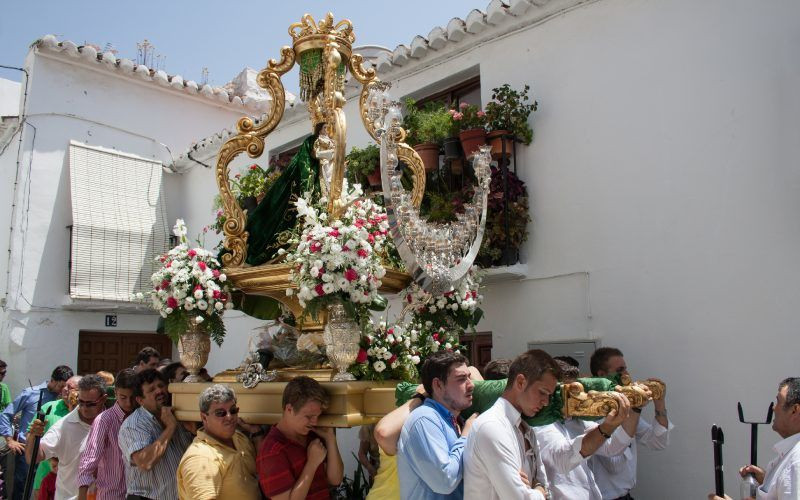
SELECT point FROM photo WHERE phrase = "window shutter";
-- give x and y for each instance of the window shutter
(119, 223)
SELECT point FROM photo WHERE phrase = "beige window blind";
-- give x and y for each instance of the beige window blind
(118, 222)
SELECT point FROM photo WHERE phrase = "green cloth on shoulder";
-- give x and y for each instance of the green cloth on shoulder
(486, 393)
(5, 396)
(53, 412)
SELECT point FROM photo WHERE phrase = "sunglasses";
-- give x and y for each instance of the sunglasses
(220, 413)
(91, 404)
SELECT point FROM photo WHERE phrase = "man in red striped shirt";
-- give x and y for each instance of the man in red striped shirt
(101, 459)
(298, 459)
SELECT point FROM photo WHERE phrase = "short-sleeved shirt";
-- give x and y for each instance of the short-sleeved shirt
(210, 469)
(53, 412)
(5, 396)
(63, 441)
(138, 431)
(280, 463)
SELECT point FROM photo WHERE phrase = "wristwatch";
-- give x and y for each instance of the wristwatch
(602, 433)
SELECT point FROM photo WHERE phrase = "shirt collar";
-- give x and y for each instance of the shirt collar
(784, 446)
(202, 435)
(513, 415)
(117, 411)
(439, 408)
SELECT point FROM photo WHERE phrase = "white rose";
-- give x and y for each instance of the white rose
(228, 305)
(328, 288)
(448, 345)
(199, 319)
(415, 360)
(379, 366)
(218, 306)
(222, 278)
(168, 310)
(198, 294)
(202, 305)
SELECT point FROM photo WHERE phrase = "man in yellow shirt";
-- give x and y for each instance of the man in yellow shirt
(221, 461)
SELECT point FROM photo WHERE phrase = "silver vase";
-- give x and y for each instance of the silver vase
(193, 348)
(341, 336)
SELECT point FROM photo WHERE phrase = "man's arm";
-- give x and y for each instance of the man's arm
(145, 457)
(438, 465)
(5, 423)
(653, 436)
(275, 477)
(597, 436)
(387, 430)
(334, 467)
(48, 444)
(505, 475)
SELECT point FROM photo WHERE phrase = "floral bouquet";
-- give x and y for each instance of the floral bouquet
(387, 353)
(467, 117)
(190, 286)
(457, 307)
(431, 338)
(339, 260)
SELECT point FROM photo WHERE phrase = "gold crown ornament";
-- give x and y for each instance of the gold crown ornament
(309, 41)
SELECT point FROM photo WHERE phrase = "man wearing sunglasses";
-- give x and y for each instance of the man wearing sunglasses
(101, 460)
(152, 441)
(64, 439)
(221, 461)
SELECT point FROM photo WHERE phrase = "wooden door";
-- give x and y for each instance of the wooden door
(479, 348)
(113, 351)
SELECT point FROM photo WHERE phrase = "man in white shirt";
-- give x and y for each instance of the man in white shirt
(566, 447)
(502, 460)
(64, 439)
(781, 479)
(616, 476)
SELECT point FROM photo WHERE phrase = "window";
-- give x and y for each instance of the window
(468, 91)
(119, 223)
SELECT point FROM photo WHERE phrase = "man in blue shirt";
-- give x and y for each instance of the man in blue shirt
(429, 460)
(25, 405)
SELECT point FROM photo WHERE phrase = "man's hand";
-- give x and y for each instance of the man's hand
(541, 490)
(326, 433)
(316, 453)
(757, 472)
(36, 430)
(524, 477)
(15, 446)
(468, 424)
(616, 417)
(167, 418)
(712, 496)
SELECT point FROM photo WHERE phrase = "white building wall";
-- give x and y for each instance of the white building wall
(71, 100)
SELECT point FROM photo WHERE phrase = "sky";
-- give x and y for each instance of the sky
(221, 36)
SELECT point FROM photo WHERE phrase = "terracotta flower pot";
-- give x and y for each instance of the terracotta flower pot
(374, 177)
(496, 140)
(452, 148)
(429, 152)
(472, 140)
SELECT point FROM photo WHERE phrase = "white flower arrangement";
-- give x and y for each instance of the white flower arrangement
(339, 259)
(189, 286)
(457, 307)
(387, 353)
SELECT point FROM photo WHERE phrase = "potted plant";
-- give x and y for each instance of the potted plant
(507, 115)
(364, 163)
(471, 123)
(500, 247)
(253, 185)
(427, 128)
(191, 293)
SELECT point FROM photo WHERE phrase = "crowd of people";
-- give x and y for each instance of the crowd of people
(459, 434)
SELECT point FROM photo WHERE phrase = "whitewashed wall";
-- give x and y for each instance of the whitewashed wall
(664, 190)
(69, 100)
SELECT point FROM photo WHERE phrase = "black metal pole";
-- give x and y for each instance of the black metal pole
(754, 444)
(718, 438)
(32, 466)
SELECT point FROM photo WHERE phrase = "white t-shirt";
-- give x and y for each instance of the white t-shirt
(64, 440)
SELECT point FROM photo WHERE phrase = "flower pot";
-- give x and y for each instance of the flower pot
(249, 203)
(496, 140)
(429, 152)
(342, 336)
(193, 349)
(457, 166)
(452, 148)
(472, 140)
(374, 177)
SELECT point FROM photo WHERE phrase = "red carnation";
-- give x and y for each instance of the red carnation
(392, 359)
(215, 273)
(319, 290)
(202, 265)
(362, 253)
(165, 284)
(316, 247)
(172, 302)
(334, 233)
(253, 167)
(435, 337)
(409, 298)
(351, 274)
(198, 287)
(216, 294)
(362, 356)
(191, 253)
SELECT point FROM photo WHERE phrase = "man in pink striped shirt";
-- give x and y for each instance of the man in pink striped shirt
(101, 459)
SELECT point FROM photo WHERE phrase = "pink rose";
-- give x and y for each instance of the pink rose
(481, 114)
(202, 265)
(463, 105)
(362, 253)
(253, 167)
(191, 254)
(334, 233)
(215, 273)
(351, 274)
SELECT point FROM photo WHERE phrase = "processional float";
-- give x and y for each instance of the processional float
(435, 255)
